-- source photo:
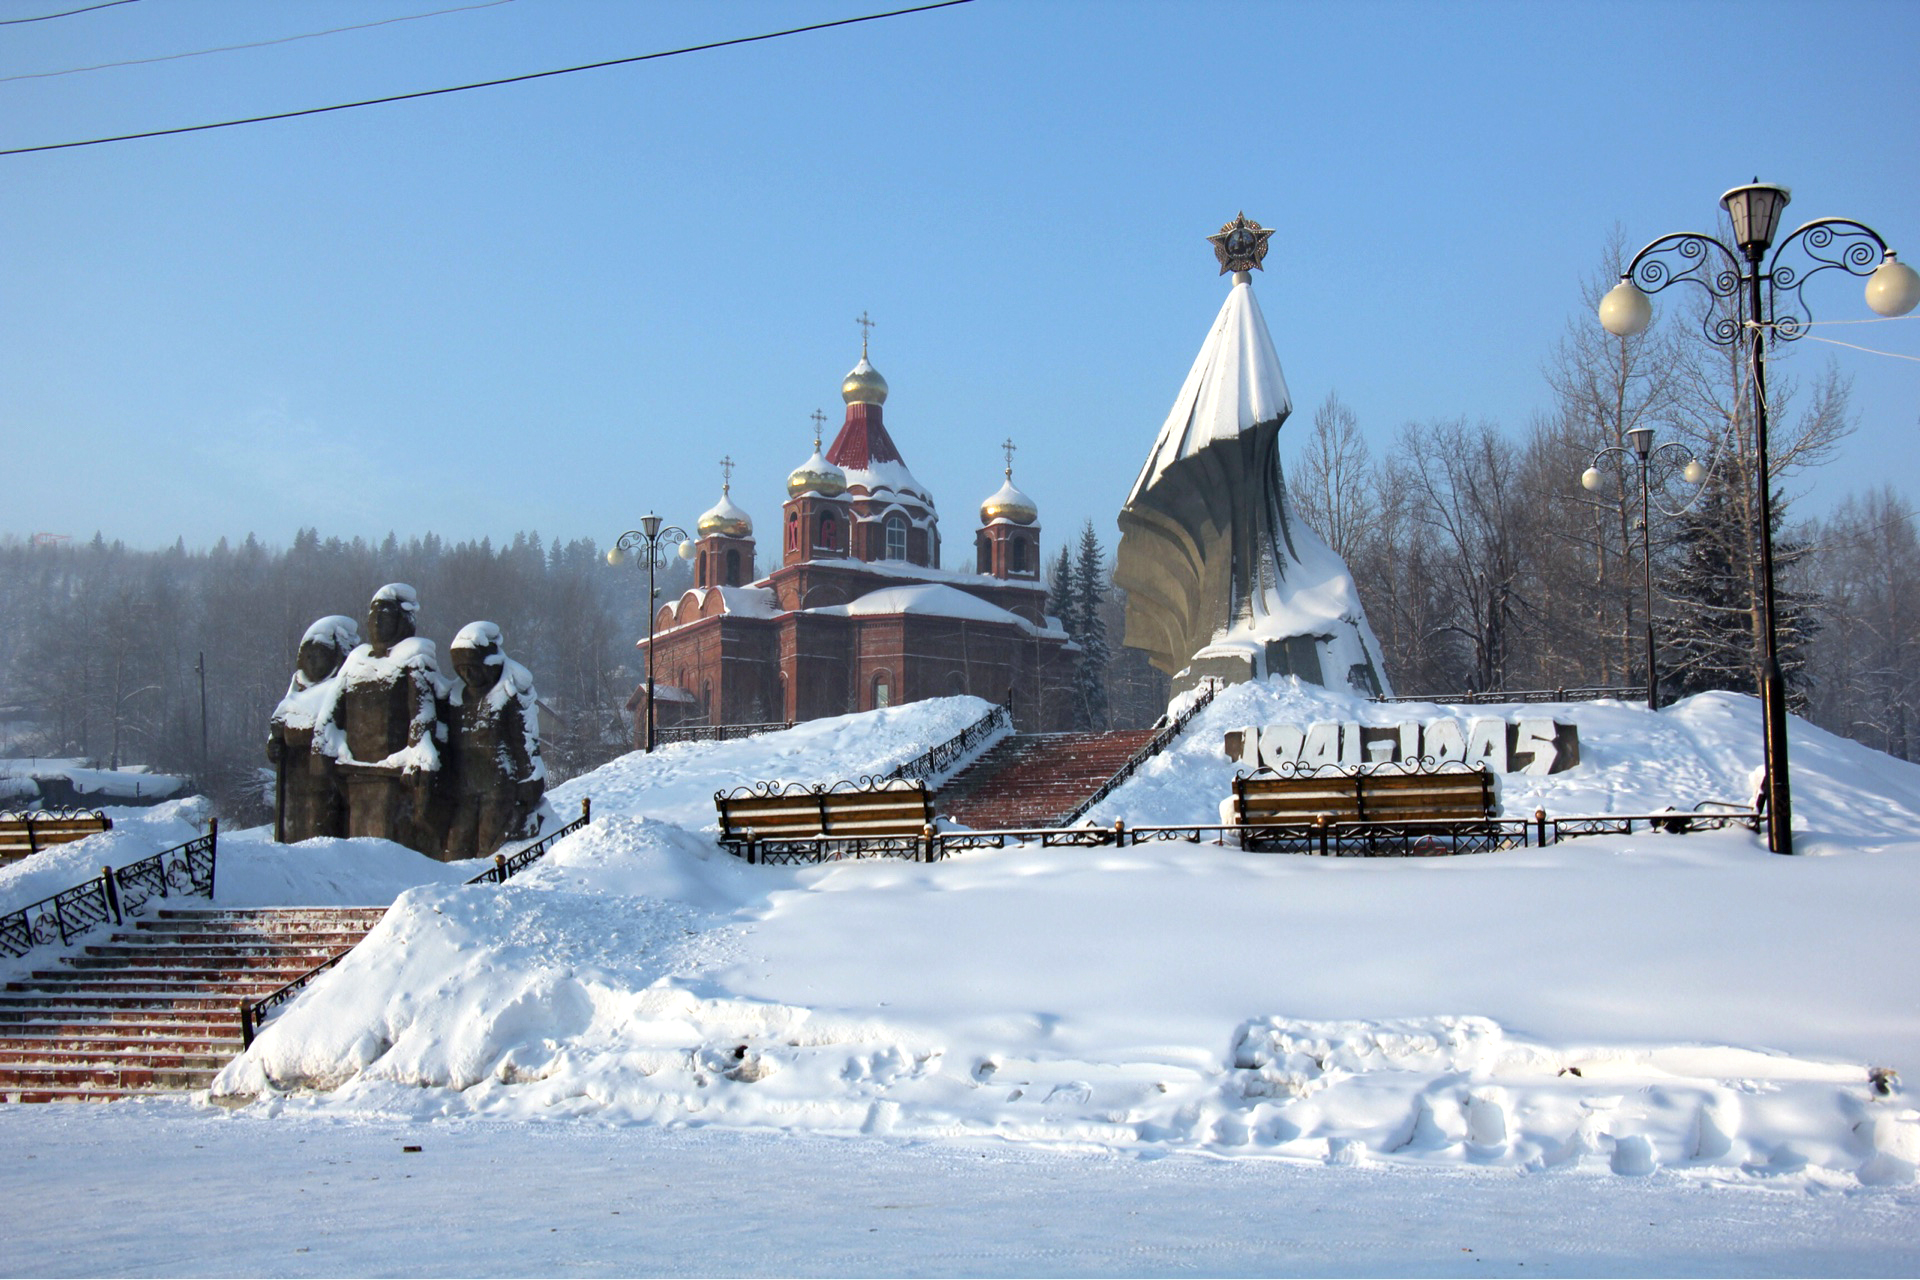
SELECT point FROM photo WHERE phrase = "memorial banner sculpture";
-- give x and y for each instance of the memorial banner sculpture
(372, 740)
(1222, 580)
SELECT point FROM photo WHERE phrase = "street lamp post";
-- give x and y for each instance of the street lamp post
(1646, 451)
(1775, 314)
(647, 540)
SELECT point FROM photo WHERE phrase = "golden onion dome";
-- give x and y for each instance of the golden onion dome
(817, 475)
(1008, 503)
(864, 385)
(725, 520)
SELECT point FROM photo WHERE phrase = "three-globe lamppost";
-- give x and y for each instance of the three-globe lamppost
(647, 541)
(1647, 452)
(1762, 305)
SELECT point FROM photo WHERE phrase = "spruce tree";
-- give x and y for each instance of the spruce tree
(1060, 590)
(1089, 629)
(1713, 638)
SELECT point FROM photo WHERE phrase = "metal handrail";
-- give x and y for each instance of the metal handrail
(254, 1012)
(1151, 748)
(506, 866)
(113, 895)
(937, 759)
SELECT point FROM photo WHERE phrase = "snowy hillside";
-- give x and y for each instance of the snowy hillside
(1690, 1003)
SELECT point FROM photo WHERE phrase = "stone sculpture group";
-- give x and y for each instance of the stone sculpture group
(372, 740)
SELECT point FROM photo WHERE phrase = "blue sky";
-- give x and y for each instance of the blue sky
(556, 305)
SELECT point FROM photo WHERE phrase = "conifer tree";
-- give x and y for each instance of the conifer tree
(1713, 638)
(1089, 630)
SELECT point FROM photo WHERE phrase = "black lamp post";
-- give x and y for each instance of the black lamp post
(1644, 448)
(1775, 314)
(647, 540)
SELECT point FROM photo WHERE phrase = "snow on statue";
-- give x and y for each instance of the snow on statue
(306, 796)
(493, 745)
(1222, 580)
(371, 739)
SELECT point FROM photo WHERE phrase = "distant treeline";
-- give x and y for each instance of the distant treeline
(100, 644)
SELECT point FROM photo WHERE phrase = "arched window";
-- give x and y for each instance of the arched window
(733, 567)
(882, 690)
(793, 530)
(1019, 555)
(896, 537)
(829, 532)
(983, 557)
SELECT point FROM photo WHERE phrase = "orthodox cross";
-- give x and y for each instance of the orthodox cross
(726, 474)
(819, 423)
(866, 328)
(1008, 447)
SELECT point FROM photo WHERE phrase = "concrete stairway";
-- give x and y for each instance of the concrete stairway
(1033, 779)
(156, 1008)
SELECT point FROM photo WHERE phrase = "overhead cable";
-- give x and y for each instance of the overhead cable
(257, 44)
(48, 17)
(480, 84)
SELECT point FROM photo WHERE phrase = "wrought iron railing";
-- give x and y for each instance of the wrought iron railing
(939, 760)
(1148, 750)
(1576, 693)
(507, 865)
(112, 896)
(716, 732)
(1364, 839)
(255, 1012)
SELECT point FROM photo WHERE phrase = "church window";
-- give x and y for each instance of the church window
(896, 537)
(1019, 555)
(882, 690)
(829, 532)
(733, 568)
(983, 559)
(793, 530)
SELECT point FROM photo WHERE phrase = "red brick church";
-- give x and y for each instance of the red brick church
(860, 614)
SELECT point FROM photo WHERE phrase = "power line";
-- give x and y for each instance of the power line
(257, 44)
(48, 17)
(480, 84)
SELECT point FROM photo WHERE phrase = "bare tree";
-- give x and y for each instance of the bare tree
(1331, 485)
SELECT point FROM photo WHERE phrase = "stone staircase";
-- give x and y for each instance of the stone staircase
(156, 1008)
(1034, 779)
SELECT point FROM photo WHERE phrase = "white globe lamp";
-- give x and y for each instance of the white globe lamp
(1894, 287)
(1626, 312)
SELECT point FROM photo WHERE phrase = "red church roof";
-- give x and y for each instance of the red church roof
(863, 440)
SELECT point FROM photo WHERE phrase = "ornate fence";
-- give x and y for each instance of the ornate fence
(185, 870)
(716, 732)
(1578, 693)
(937, 760)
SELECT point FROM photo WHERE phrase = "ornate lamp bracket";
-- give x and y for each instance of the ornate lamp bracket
(1817, 246)
(1690, 256)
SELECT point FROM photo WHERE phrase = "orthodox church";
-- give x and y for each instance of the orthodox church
(860, 614)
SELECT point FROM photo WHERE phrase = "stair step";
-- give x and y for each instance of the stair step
(156, 1008)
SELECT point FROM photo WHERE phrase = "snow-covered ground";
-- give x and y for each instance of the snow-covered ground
(1688, 1016)
(330, 1196)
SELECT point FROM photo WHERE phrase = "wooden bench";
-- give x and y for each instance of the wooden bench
(24, 834)
(798, 823)
(1392, 809)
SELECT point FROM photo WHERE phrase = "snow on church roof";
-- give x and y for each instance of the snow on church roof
(1235, 384)
(937, 600)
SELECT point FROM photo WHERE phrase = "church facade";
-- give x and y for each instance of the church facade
(859, 614)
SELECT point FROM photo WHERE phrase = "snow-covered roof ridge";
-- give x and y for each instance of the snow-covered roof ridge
(937, 600)
(1235, 384)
